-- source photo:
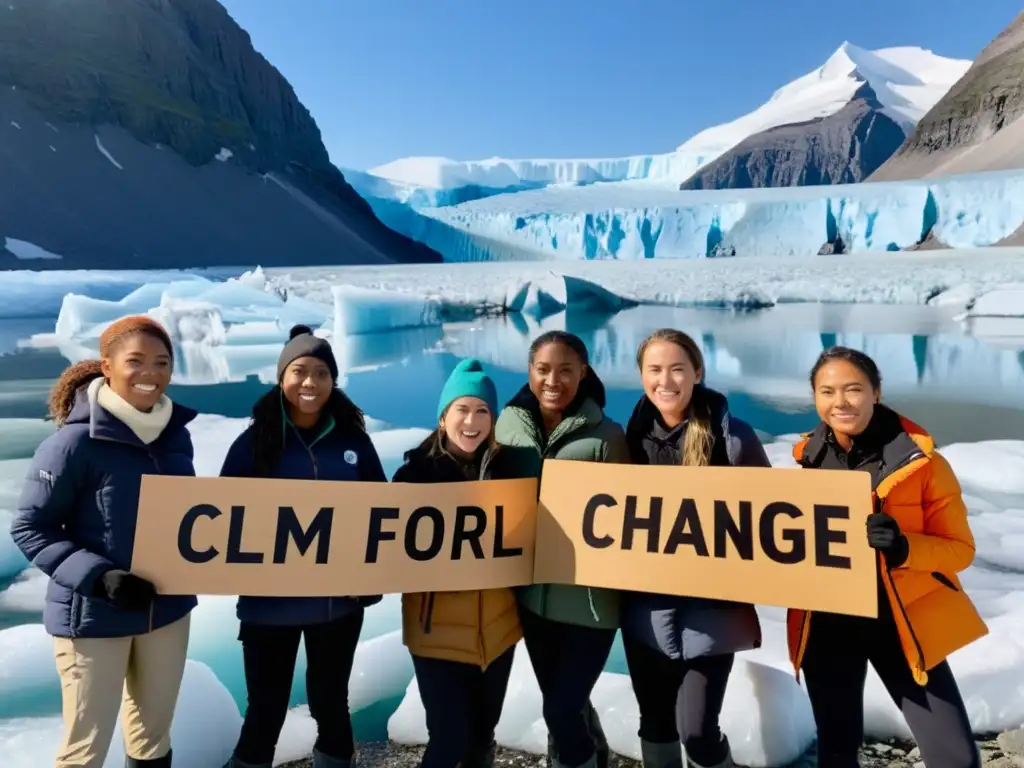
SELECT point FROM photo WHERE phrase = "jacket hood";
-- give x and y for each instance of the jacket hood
(102, 423)
(645, 414)
(900, 440)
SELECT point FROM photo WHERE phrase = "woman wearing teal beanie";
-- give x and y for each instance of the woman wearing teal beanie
(462, 643)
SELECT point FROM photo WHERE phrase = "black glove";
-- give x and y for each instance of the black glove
(884, 535)
(125, 590)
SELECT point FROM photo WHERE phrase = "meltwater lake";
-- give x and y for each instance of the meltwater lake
(963, 382)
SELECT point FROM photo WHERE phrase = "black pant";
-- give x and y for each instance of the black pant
(463, 705)
(835, 666)
(269, 653)
(680, 700)
(567, 660)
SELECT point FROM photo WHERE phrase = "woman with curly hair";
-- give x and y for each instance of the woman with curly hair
(115, 638)
(304, 428)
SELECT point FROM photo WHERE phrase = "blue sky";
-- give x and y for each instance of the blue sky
(472, 79)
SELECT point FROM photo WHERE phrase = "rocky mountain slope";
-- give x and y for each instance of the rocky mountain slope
(842, 148)
(978, 125)
(835, 125)
(150, 133)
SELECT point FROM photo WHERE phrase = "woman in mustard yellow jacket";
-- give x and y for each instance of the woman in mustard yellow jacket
(462, 643)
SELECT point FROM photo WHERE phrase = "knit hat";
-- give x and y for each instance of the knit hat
(302, 343)
(468, 380)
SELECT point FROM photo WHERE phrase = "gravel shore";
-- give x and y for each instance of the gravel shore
(1005, 750)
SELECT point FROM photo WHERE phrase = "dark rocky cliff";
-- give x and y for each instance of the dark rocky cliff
(173, 84)
(977, 125)
(842, 148)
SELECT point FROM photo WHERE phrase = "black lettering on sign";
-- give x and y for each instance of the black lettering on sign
(189, 553)
(687, 517)
(652, 523)
(589, 512)
(741, 534)
(472, 535)
(500, 550)
(797, 538)
(235, 553)
(824, 536)
(289, 528)
(377, 534)
(436, 538)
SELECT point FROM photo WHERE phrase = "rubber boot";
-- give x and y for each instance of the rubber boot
(657, 755)
(591, 763)
(156, 762)
(601, 749)
(485, 760)
(725, 762)
(320, 760)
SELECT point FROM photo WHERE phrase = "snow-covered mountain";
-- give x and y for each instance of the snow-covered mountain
(905, 82)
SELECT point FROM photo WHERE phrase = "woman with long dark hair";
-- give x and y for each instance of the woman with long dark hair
(923, 539)
(304, 428)
(568, 630)
(118, 644)
(680, 650)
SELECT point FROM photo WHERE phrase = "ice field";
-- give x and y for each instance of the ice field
(228, 331)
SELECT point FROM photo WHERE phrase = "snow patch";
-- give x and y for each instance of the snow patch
(106, 154)
(27, 251)
(224, 155)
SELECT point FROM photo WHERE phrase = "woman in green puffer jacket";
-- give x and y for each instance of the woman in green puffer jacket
(568, 630)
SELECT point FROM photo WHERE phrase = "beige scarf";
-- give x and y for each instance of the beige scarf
(147, 426)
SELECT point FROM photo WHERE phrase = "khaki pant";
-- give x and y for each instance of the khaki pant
(97, 674)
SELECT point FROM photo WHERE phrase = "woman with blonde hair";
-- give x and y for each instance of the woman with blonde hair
(680, 650)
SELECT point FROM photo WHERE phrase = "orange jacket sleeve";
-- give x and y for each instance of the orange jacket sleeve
(946, 544)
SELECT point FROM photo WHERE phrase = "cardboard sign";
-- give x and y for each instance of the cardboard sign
(790, 538)
(235, 536)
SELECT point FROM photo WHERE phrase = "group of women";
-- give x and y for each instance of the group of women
(118, 640)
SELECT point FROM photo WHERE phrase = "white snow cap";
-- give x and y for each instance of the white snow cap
(907, 80)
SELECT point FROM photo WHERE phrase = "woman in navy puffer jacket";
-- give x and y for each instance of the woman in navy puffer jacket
(305, 428)
(76, 523)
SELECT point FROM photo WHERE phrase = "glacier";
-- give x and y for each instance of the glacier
(644, 220)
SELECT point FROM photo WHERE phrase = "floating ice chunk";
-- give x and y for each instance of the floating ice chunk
(1007, 301)
(554, 292)
(27, 251)
(26, 594)
(224, 155)
(12, 475)
(28, 676)
(993, 465)
(367, 310)
(766, 716)
(106, 154)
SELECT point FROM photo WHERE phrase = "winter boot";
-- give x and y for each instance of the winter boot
(484, 760)
(601, 749)
(320, 760)
(725, 762)
(157, 762)
(591, 763)
(658, 755)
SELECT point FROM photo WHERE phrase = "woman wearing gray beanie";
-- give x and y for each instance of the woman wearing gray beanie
(304, 428)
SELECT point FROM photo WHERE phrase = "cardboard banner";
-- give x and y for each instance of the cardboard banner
(235, 536)
(791, 538)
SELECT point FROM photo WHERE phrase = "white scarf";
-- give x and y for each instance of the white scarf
(147, 426)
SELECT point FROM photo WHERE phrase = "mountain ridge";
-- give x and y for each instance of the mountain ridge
(179, 76)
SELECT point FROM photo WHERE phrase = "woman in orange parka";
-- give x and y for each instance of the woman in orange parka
(923, 540)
